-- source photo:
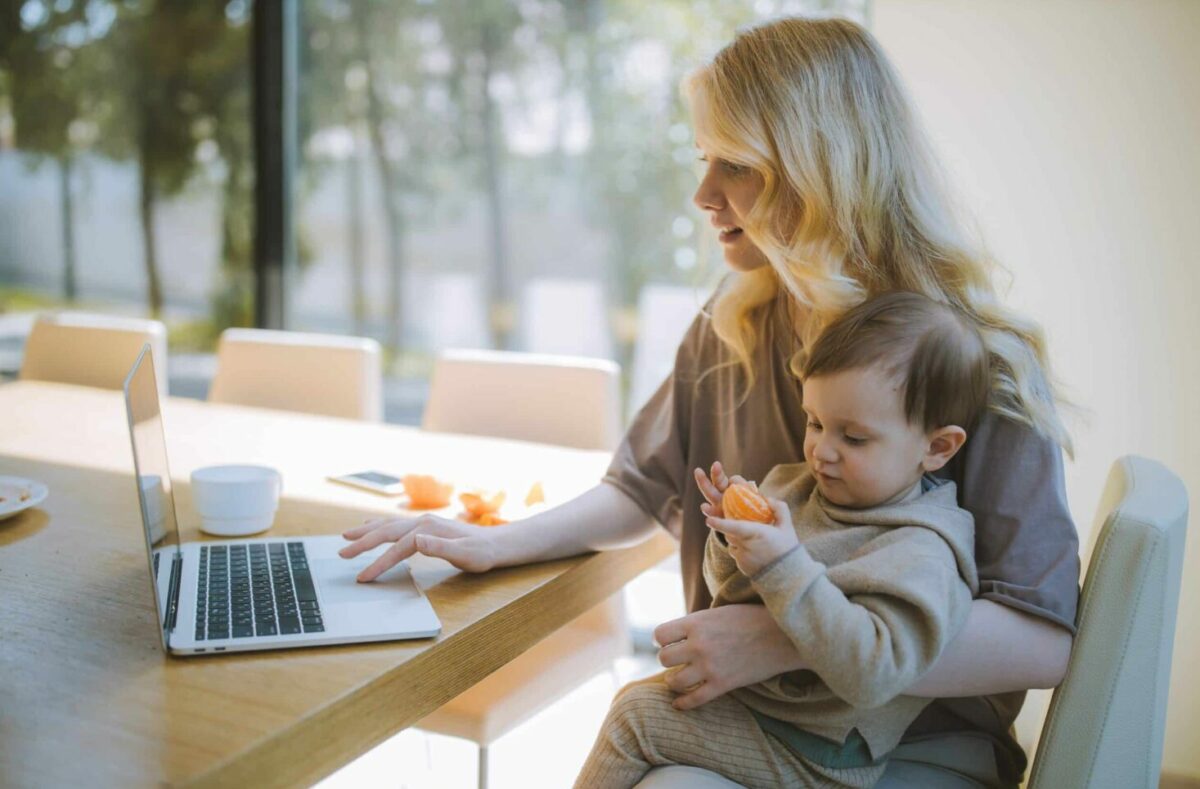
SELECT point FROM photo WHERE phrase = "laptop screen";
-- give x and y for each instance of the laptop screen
(154, 485)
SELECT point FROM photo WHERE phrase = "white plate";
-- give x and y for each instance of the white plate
(13, 488)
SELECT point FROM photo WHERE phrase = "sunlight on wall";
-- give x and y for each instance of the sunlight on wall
(1069, 128)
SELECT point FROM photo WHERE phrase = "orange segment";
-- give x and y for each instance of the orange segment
(490, 519)
(476, 505)
(425, 492)
(745, 503)
(535, 495)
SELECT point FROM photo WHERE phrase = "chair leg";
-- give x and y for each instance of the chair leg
(483, 767)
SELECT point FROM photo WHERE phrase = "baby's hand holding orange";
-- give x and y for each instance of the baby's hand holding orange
(743, 502)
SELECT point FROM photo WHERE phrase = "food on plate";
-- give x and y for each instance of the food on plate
(425, 492)
(743, 502)
(535, 495)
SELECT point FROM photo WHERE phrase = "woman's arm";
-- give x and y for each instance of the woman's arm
(598, 519)
(999, 649)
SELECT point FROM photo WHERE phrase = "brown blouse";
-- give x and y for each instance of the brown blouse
(1009, 477)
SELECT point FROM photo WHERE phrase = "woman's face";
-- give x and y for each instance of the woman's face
(727, 191)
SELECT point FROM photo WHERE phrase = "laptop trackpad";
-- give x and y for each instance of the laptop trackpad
(336, 580)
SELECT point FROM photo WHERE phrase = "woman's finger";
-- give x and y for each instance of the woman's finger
(678, 654)
(369, 525)
(738, 479)
(387, 532)
(386, 561)
(672, 632)
(683, 679)
(697, 696)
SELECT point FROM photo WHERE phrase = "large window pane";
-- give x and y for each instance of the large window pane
(502, 173)
(126, 174)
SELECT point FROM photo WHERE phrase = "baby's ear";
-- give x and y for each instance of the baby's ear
(943, 444)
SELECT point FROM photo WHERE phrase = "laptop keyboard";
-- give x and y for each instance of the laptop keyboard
(255, 589)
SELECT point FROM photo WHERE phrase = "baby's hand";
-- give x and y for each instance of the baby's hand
(755, 545)
(712, 487)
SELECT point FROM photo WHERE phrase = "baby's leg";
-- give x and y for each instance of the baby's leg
(643, 730)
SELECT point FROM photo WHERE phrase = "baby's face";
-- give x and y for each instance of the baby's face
(858, 443)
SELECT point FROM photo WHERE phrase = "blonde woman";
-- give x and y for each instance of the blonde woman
(823, 193)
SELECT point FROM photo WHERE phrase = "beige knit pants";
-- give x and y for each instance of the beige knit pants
(643, 730)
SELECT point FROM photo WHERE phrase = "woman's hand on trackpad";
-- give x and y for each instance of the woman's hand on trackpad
(467, 547)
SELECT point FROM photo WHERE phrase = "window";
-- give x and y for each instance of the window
(497, 173)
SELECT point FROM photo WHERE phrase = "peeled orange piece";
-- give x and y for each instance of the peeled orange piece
(477, 506)
(743, 502)
(535, 495)
(425, 492)
(490, 519)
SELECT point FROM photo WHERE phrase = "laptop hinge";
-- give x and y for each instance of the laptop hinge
(173, 591)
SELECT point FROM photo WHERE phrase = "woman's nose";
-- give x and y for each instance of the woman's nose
(708, 196)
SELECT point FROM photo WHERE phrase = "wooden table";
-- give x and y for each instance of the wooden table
(87, 696)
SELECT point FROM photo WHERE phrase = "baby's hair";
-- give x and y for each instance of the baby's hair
(933, 350)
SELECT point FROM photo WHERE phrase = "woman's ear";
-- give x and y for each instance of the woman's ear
(944, 443)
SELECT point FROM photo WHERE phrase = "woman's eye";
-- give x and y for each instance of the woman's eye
(734, 169)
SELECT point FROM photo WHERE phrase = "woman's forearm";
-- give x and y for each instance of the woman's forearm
(599, 519)
(1000, 649)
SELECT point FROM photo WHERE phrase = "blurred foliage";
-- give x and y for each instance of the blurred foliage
(516, 106)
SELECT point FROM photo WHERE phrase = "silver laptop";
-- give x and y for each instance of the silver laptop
(255, 593)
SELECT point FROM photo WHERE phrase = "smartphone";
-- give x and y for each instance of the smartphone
(374, 481)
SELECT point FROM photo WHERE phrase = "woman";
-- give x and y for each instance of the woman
(820, 184)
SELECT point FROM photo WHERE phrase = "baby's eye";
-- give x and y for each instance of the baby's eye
(814, 425)
(855, 441)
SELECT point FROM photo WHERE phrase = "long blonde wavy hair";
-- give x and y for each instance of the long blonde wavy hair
(852, 204)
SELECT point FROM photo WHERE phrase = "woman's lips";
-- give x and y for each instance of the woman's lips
(729, 236)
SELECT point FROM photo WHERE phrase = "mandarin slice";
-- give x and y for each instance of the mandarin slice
(477, 505)
(425, 492)
(535, 495)
(743, 502)
(490, 519)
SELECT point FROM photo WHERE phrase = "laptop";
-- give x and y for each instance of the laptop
(255, 593)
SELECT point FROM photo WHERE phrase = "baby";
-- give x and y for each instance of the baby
(868, 566)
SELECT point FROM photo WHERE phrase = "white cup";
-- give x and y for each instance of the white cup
(234, 501)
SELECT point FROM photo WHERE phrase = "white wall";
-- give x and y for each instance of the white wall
(1072, 130)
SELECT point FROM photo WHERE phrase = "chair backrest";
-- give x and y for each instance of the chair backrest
(331, 375)
(571, 401)
(1105, 723)
(92, 349)
(664, 314)
(565, 316)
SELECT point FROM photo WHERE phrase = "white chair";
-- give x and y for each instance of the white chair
(554, 400)
(1106, 721)
(565, 316)
(331, 375)
(571, 401)
(664, 314)
(1105, 726)
(92, 350)
(454, 312)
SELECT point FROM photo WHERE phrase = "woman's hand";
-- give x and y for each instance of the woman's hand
(467, 547)
(713, 651)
